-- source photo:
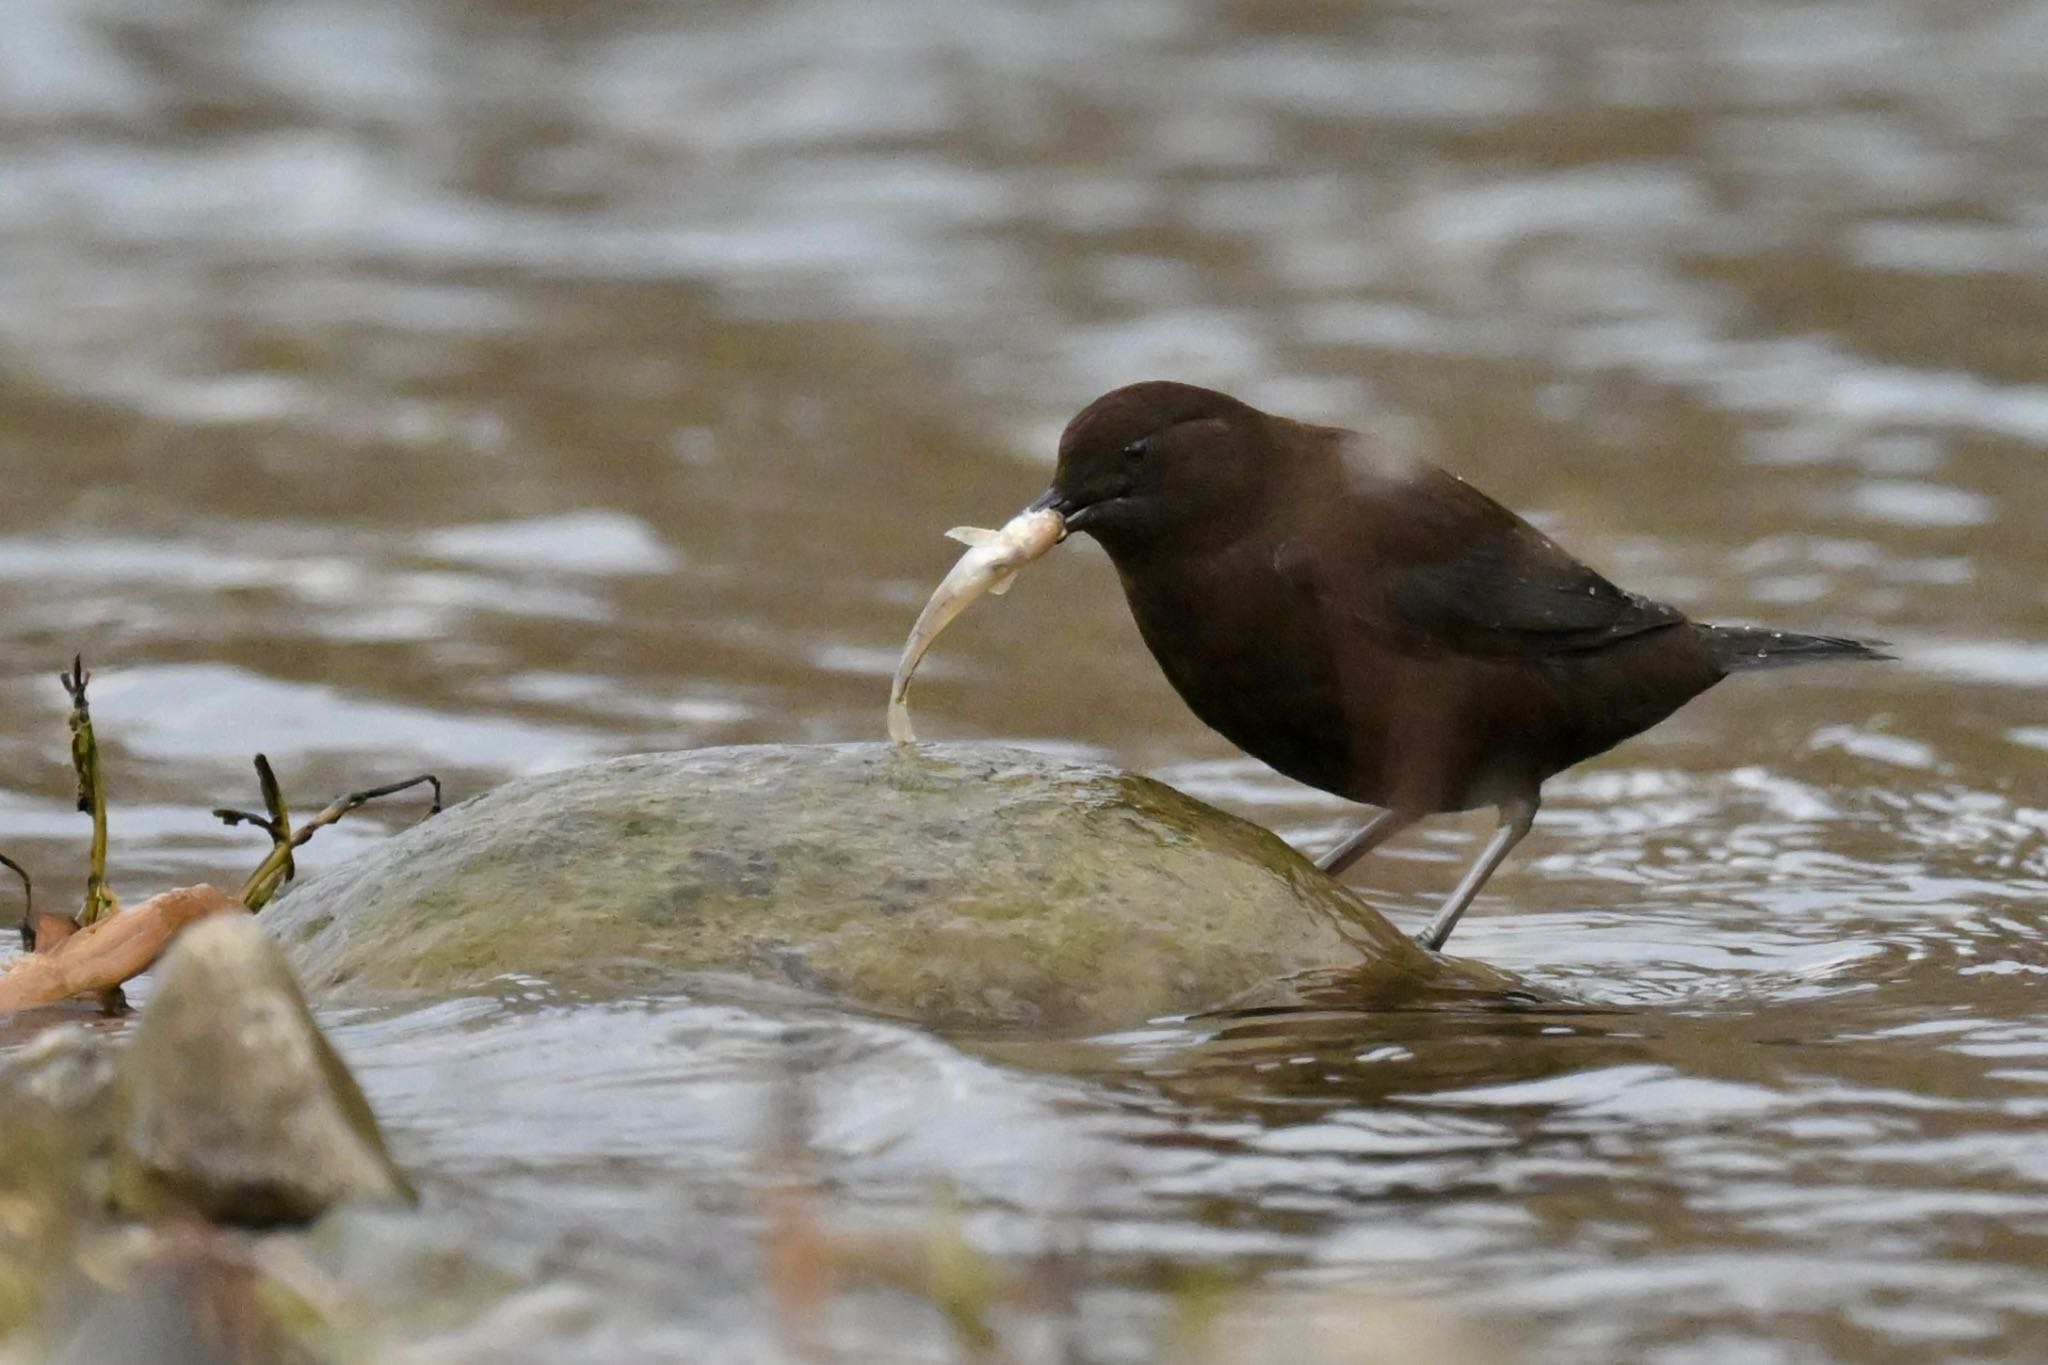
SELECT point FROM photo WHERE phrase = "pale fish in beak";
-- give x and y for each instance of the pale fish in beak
(990, 565)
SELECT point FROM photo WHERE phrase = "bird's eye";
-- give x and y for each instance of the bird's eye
(1135, 451)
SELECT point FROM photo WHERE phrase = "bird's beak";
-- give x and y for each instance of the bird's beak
(1071, 510)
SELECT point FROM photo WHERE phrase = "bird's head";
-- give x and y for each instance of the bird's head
(1157, 458)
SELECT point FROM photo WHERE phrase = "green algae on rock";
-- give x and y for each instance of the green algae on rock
(963, 886)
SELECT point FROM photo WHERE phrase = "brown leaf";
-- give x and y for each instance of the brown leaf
(103, 955)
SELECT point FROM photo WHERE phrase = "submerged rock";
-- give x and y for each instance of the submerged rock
(960, 885)
(233, 1104)
(55, 1128)
(223, 1105)
(1347, 1325)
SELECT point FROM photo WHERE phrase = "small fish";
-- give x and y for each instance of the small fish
(990, 565)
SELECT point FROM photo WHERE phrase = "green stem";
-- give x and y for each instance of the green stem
(92, 794)
(28, 903)
(279, 866)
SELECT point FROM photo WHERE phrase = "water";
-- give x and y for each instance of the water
(492, 386)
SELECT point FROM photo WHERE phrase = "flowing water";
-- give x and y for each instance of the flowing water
(490, 385)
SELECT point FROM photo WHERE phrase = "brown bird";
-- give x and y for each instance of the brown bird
(1372, 625)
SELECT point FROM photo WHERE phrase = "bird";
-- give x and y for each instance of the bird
(1372, 625)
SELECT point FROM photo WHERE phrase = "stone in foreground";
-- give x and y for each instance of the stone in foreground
(964, 886)
(233, 1104)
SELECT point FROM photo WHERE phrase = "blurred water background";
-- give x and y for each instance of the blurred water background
(488, 385)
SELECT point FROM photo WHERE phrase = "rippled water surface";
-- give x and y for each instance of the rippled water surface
(493, 385)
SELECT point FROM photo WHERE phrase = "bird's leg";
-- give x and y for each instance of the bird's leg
(1514, 824)
(1370, 836)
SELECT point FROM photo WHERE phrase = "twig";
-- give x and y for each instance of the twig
(41, 930)
(280, 814)
(278, 825)
(807, 1261)
(92, 794)
(799, 1253)
(28, 903)
(279, 866)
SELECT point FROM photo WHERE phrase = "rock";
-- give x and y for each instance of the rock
(186, 1294)
(232, 1103)
(965, 886)
(1351, 1325)
(225, 1103)
(56, 1103)
(67, 1074)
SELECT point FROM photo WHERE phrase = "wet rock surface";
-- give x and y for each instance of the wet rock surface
(958, 885)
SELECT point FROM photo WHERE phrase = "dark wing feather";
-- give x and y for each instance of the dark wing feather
(1433, 566)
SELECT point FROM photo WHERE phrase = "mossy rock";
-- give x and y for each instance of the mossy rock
(964, 886)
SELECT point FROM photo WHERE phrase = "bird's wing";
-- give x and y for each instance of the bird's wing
(1432, 566)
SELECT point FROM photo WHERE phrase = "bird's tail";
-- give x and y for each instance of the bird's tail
(1737, 648)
